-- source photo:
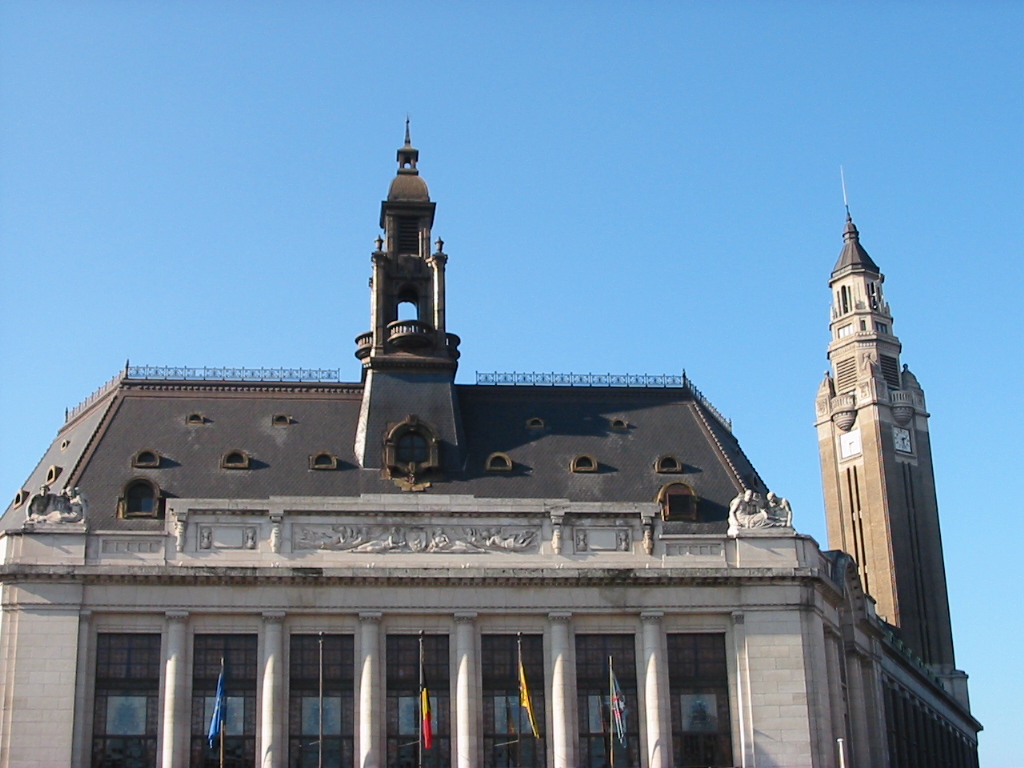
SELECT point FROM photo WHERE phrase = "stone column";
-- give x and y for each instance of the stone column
(655, 695)
(369, 683)
(562, 677)
(466, 704)
(79, 734)
(271, 745)
(175, 704)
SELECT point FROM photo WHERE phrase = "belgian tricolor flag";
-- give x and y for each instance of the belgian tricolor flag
(426, 724)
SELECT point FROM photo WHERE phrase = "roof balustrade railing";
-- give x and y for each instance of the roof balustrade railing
(661, 381)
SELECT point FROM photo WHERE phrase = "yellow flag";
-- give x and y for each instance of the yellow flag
(524, 699)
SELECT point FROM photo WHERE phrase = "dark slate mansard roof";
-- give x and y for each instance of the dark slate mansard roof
(102, 438)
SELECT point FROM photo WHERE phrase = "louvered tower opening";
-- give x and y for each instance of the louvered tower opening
(846, 375)
(890, 370)
(408, 235)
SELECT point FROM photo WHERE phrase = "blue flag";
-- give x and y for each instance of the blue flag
(219, 707)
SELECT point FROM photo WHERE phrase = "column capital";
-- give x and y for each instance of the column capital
(465, 617)
(273, 617)
(560, 616)
(652, 616)
(370, 617)
(176, 615)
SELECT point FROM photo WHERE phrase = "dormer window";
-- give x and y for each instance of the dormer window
(20, 498)
(64, 444)
(194, 419)
(53, 473)
(678, 503)
(498, 462)
(281, 420)
(146, 459)
(411, 448)
(668, 465)
(141, 499)
(536, 422)
(235, 460)
(620, 425)
(584, 463)
(323, 460)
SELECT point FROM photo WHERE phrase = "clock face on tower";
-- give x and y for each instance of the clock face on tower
(901, 440)
(849, 444)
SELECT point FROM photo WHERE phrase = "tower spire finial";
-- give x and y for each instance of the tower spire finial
(408, 137)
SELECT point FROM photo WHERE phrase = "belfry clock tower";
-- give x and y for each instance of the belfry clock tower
(877, 465)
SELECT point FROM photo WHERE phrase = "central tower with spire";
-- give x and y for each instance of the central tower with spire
(877, 464)
(409, 358)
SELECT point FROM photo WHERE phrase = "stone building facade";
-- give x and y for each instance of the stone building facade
(339, 548)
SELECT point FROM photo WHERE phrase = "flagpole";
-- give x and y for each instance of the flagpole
(419, 752)
(223, 712)
(519, 712)
(611, 714)
(320, 706)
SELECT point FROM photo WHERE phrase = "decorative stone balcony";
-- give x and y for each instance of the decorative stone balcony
(410, 334)
(452, 341)
(844, 411)
(364, 343)
(902, 406)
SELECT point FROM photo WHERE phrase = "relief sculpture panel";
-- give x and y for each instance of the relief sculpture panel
(416, 539)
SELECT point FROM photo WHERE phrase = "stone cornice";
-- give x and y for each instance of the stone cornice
(299, 576)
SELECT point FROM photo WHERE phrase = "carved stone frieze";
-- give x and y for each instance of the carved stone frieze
(439, 539)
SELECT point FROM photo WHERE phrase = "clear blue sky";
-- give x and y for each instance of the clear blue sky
(625, 187)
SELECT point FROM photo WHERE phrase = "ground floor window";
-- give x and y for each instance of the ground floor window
(321, 670)
(699, 688)
(609, 724)
(509, 737)
(410, 660)
(238, 654)
(127, 702)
